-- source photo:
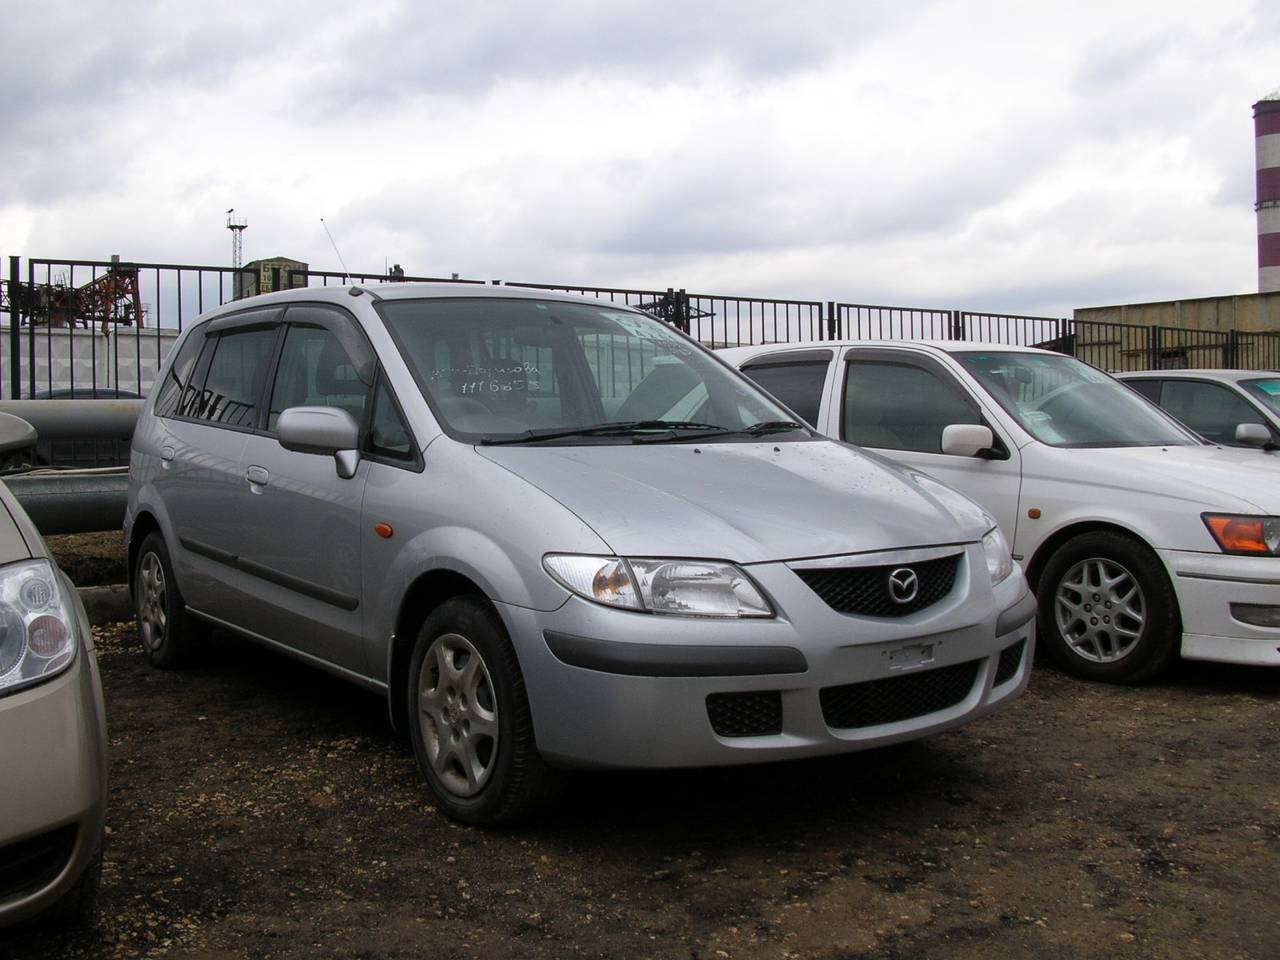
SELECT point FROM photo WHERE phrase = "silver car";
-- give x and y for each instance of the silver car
(1238, 408)
(555, 532)
(53, 747)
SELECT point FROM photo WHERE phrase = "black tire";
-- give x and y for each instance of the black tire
(469, 720)
(1107, 611)
(167, 631)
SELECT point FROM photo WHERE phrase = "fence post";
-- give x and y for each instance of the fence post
(1065, 345)
(1153, 347)
(682, 311)
(833, 321)
(1231, 350)
(15, 336)
(957, 326)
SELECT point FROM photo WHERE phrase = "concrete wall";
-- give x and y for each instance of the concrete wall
(125, 357)
(1250, 312)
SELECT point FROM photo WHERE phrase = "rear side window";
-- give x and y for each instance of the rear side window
(233, 384)
(177, 389)
(899, 406)
(798, 385)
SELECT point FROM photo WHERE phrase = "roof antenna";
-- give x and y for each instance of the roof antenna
(346, 274)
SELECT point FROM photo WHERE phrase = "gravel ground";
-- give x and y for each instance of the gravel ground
(262, 809)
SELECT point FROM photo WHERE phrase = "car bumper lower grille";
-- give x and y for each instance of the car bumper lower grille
(30, 864)
(1010, 661)
(753, 714)
(892, 699)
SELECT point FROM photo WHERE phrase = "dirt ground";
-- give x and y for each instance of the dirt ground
(262, 809)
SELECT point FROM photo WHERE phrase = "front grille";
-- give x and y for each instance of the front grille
(865, 590)
(892, 699)
(28, 865)
(1010, 660)
(754, 714)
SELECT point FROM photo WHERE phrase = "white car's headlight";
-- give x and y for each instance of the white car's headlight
(695, 588)
(37, 627)
(999, 557)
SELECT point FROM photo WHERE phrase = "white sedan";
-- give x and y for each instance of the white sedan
(1143, 542)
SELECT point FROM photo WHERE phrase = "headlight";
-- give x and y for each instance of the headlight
(37, 627)
(695, 588)
(999, 559)
(1252, 536)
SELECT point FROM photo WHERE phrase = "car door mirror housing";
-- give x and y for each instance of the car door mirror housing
(967, 439)
(1253, 434)
(322, 430)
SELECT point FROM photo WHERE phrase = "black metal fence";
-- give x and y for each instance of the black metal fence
(101, 328)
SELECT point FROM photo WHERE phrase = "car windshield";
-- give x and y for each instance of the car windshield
(533, 371)
(1266, 390)
(1066, 403)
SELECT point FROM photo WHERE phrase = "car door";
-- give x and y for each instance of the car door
(204, 417)
(298, 539)
(897, 402)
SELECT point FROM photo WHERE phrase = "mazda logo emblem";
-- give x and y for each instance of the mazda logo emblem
(903, 585)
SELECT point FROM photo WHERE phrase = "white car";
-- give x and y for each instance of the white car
(1141, 540)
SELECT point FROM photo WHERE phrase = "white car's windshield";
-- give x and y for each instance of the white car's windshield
(1265, 389)
(1066, 403)
(531, 371)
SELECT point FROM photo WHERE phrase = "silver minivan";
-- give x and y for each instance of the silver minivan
(555, 532)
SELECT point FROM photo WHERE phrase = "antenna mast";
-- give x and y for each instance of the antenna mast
(237, 226)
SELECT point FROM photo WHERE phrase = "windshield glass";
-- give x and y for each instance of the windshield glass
(1066, 403)
(1267, 390)
(511, 371)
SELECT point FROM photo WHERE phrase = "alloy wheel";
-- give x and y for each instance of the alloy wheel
(458, 715)
(153, 617)
(1100, 610)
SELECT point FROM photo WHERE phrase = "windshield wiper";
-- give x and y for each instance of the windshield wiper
(755, 430)
(617, 428)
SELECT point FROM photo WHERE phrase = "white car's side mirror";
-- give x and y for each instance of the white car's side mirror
(966, 439)
(1253, 434)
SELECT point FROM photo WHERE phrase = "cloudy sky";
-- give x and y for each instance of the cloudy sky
(1023, 157)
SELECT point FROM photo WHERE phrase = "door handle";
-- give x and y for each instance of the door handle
(256, 476)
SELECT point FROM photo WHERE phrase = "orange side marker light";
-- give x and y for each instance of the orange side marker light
(1034, 513)
(383, 530)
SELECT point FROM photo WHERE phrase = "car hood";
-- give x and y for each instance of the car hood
(745, 502)
(1210, 477)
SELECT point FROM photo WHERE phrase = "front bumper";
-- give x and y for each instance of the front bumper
(611, 688)
(53, 796)
(1207, 585)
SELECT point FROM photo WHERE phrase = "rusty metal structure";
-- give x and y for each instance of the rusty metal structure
(112, 298)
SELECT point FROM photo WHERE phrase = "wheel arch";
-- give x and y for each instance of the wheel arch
(144, 524)
(1034, 567)
(427, 592)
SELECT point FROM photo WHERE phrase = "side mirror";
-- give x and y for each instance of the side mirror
(15, 433)
(966, 439)
(1253, 434)
(322, 430)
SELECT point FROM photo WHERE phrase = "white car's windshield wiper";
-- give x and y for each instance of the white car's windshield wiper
(617, 428)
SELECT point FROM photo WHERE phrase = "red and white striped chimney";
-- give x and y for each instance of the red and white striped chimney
(1266, 130)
